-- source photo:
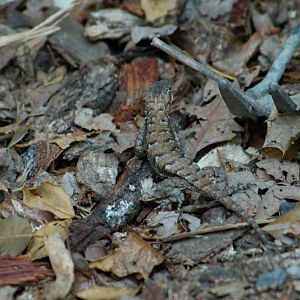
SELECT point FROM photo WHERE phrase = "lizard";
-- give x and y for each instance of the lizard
(159, 142)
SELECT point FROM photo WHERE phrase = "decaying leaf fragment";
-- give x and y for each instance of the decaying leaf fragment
(84, 118)
(284, 171)
(133, 255)
(111, 23)
(63, 266)
(283, 131)
(105, 292)
(36, 247)
(15, 233)
(52, 198)
(155, 10)
(288, 223)
(216, 124)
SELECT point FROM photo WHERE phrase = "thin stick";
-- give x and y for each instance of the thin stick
(185, 59)
(282, 59)
(47, 27)
(211, 229)
(225, 86)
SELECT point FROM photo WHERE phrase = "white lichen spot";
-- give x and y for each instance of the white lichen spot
(120, 235)
(132, 188)
(148, 187)
(107, 174)
(116, 212)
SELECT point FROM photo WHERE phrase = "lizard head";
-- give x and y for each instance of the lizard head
(159, 97)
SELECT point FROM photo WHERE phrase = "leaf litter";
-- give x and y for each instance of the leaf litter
(72, 84)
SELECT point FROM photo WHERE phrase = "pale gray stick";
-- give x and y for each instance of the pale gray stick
(243, 106)
(277, 69)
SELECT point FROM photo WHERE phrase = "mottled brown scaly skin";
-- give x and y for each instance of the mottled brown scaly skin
(160, 143)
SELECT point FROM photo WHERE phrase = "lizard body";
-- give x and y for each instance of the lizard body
(160, 143)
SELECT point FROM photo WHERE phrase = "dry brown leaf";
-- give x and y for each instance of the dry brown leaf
(270, 46)
(65, 140)
(133, 255)
(262, 22)
(284, 171)
(39, 96)
(165, 223)
(36, 247)
(235, 58)
(104, 264)
(288, 223)
(15, 235)
(273, 198)
(104, 122)
(11, 164)
(269, 205)
(85, 119)
(133, 6)
(124, 141)
(216, 125)
(155, 10)
(96, 250)
(31, 213)
(103, 292)
(63, 266)
(50, 197)
(249, 76)
(232, 154)
(111, 23)
(283, 131)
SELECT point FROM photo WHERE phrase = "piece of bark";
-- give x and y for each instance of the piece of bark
(70, 43)
(111, 23)
(115, 211)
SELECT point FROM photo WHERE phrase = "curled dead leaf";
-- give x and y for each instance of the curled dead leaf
(133, 255)
(36, 247)
(50, 197)
(63, 266)
(282, 133)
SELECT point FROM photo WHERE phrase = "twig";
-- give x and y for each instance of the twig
(185, 59)
(26, 35)
(240, 103)
(210, 229)
(243, 105)
(282, 59)
(45, 28)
